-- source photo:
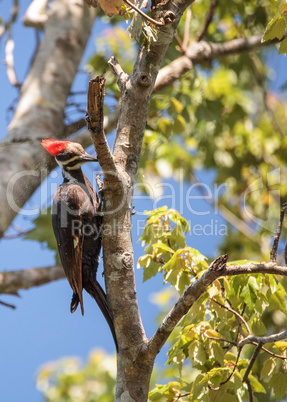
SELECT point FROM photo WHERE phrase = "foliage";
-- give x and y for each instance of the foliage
(208, 336)
(204, 358)
(43, 232)
(69, 380)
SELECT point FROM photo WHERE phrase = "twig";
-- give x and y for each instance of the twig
(204, 52)
(12, 281)
(252, 361)
(222, 340)
(251, 339)
(261, 268)
(235, 313)
(14, 15)
(9, 60)
(273, 253)
(250, 391)
(149, 19)
(271, 353)
(230, 375)
(120, 75)
(186, 29)
(208, 19)
(96, 123)
(7, 305)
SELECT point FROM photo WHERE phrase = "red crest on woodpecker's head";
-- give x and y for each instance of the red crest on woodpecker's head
(54, 147)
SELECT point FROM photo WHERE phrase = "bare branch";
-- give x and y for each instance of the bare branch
(235, 313)
(146, 17)
(95, 120)
(36, 14)
(7, 305)
(120, 75)
(13, 281)
(271, 353)
(208, 19)
(204, 52)
(273, 253)
(186, 36)
(252, 361)
(184, 303)
(250, 391)
(251, 268)
(9, 60)
(263, 339)
(14, 14)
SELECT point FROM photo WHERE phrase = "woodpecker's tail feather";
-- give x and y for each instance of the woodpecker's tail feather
(97, 292)
(74, 302)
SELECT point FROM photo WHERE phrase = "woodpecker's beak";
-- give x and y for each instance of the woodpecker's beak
(88, 158)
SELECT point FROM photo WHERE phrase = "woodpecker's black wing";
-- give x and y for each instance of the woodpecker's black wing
(67, 220)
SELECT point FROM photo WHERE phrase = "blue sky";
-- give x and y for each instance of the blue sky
(41, 329)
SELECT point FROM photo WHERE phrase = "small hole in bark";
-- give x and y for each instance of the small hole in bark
(144, 80)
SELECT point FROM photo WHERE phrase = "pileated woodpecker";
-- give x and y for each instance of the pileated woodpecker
(77, 225)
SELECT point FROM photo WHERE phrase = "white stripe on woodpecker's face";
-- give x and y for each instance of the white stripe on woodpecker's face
(71, 160)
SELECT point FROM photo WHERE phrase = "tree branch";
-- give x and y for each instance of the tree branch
(208, 19)
(13, 281)
(205, 52)
(14, 14)
(273, 253)
(120, 75)
(184, 303)
(37, 14)
(235, 313)
(252, 361)
(251, 268)
(40, 111)
(96, 123)
(249, 388)
(263, 339)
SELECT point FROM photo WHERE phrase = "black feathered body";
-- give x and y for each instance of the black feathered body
(77, 223)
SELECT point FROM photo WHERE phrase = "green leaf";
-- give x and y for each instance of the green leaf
(216, 352)
(151, 270)
(196, 352)
(43, 231)
(179, 124)
(257, 387)
(200, 382)
(258, 327)
(275, 29)
(176, 106)
(277, 301)
(283, 46)
(268, 368)
(163, 247)
(279, 384)
(136, 25)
